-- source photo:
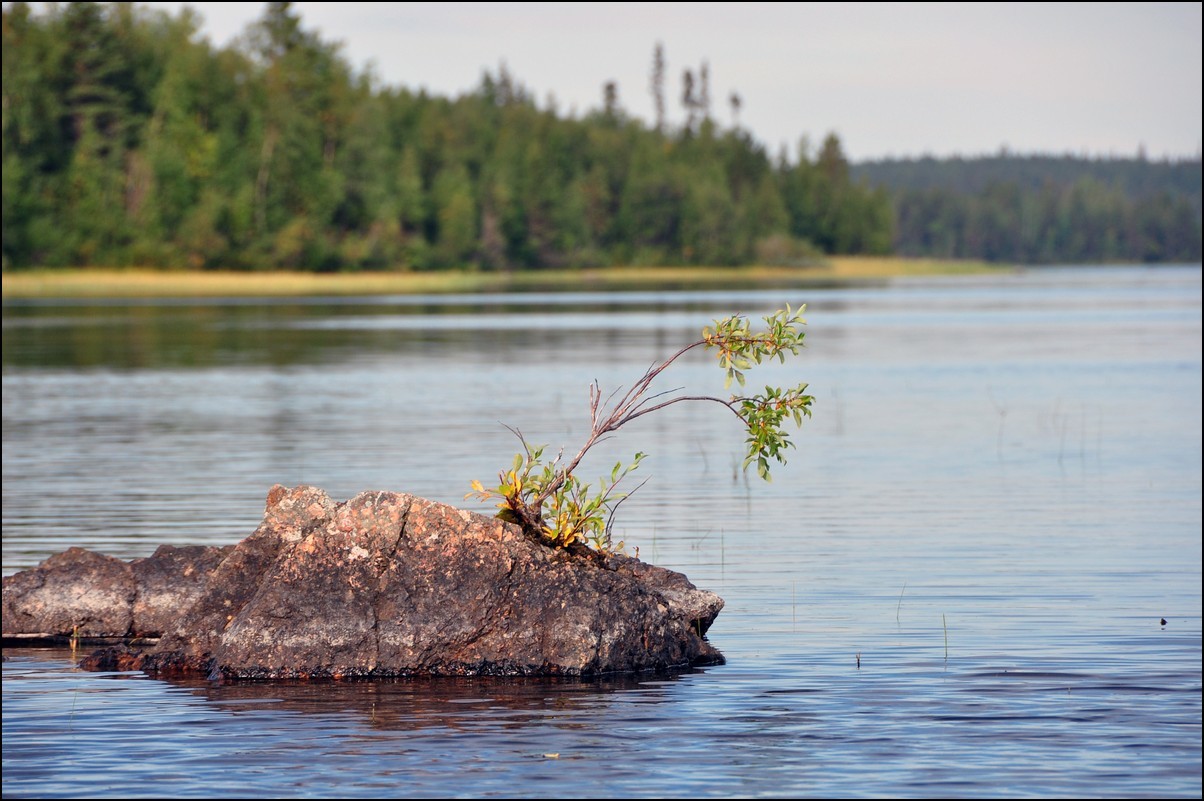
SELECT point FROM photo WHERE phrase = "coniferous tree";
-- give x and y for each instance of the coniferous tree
(658, 85)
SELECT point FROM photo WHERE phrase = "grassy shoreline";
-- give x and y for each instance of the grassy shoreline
(134, 283)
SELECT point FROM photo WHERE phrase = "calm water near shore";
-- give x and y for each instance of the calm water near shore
(956, 586)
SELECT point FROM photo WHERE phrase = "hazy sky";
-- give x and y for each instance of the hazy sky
(891, 79)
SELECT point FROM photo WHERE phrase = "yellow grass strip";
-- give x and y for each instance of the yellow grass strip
(96, 283)
(896, 267)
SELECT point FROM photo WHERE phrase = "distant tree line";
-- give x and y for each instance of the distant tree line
(129, 140)
(1043, 209)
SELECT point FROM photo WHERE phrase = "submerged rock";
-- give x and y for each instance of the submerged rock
(388, 584)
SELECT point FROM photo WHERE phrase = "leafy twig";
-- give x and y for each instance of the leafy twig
(551, 503)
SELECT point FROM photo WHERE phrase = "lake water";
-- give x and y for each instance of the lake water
(956, 587)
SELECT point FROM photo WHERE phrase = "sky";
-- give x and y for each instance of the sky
(890, 79)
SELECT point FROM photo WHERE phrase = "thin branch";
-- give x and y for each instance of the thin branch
(611, 517)
(651, 398)
(679, 399)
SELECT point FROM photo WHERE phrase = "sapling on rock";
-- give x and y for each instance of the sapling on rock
(550, 503)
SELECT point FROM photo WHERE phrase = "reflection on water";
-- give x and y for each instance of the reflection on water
(955, 587)
(770, 728)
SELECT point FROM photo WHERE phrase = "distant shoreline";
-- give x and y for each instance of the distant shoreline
(135, 283)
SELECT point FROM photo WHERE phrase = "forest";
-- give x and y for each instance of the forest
(129, 140)
(1041, 209)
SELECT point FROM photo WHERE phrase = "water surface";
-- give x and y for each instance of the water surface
(955, 587)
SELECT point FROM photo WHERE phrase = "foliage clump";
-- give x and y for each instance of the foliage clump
(552, 504)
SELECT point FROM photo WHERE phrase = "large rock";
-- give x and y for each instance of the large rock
(388, 584)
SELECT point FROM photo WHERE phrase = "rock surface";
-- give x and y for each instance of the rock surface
(386, 584)
(92, 595)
